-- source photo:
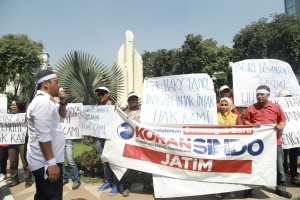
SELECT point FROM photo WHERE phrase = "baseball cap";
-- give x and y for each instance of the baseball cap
(132, 94)
(102, 88)
(224, 87)
(284, 93)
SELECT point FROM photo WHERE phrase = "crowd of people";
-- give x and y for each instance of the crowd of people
(47, 147)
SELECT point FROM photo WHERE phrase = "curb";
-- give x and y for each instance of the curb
(5, 192)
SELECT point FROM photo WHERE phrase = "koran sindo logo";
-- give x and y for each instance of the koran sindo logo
(125, 131)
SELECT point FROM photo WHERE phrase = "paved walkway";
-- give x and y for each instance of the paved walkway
(89, 192)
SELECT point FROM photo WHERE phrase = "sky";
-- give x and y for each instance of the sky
(98, 27)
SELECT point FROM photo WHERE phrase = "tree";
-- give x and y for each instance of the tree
(80, 74)
(160, 63)
(20, 58)
(195, 56)
(278, 39)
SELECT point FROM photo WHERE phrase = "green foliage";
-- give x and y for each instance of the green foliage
(278, 39)
(80, 74)
(20, 58)
(160, 63)
(195, 56)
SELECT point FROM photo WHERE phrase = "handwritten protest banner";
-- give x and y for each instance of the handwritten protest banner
(12, 128)
(238, 154)
(291, 109)
(71, 123)
(179, 99)
(97, 121)
(249, 74)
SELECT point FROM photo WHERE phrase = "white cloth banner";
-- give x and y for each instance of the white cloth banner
(249, 74)
(291, 109)
(12, 128)
(179, 99)
(71, 122)
(238, 154)
(97, 121)
(166, 187)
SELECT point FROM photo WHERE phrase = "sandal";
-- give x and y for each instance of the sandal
(12, 184)
(295, 181)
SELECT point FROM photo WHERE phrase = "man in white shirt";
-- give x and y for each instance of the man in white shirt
(45, 149)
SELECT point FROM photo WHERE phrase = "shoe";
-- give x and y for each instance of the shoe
(104, 186)
(284, 194)
(295, 181)
(65, 181)
(126, 193)
(148, 189)
(231, 194)
(248, 193)
(76, 185)
(28, 183)
(12, 184)
(287, 173)
(114, 190)
(219, 196)
(2, 177)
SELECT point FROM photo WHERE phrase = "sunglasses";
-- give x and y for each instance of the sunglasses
(101, 94)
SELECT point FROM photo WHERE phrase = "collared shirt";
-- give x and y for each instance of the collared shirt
(44, 125)
(271, 113)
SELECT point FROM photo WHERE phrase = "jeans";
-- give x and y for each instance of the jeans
(108, 173)
(281, 181)
(46, 189)
(13, 154)
(3, 159)
(69, 155)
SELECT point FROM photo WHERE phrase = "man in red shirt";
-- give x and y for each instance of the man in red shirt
(266, 112)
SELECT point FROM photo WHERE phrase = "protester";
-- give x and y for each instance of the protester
(133, 112)
(291, 153)
(224, 91)
(15, 149)
(45, 152)
(3, 161)
(225, 114)
(227, 117)
(266, 112)
(110, 178)
(69, 155)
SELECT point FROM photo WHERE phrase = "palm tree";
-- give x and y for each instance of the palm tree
(80, 74)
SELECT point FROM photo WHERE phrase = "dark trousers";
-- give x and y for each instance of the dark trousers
(293, 155)
(46, 190)
(13, 156)
(3, 159)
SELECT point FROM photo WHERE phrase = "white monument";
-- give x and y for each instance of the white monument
(130, 61)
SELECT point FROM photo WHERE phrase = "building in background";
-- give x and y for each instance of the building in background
(292, 7)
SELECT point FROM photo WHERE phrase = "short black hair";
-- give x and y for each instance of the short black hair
(265, 87)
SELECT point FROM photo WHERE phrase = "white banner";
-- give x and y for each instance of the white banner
(71, 123)
(12, 128)
(291, 109)
(170, 187)
(249, 74)
(97, 121)
(238, 154)
(179, 99)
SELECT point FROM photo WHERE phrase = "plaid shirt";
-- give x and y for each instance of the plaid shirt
(271, 113)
